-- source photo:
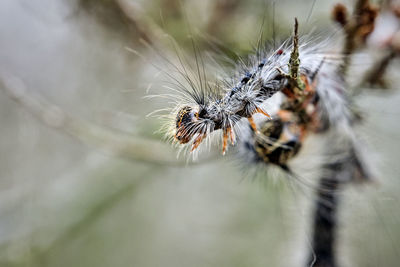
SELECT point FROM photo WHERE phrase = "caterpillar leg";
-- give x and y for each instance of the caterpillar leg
(259, 110)
(252, 124)
(198, 141)
(228, 134)
(251, 120)
(232, 136)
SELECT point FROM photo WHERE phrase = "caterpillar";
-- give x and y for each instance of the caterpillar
(315, 101)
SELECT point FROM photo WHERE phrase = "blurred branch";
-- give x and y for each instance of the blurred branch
(93, 215)
(147, 29)
(119, 144)
(375, 76)
(357, 27)
(222, 11)
(125, 17)
(387, 38)
(110, 14)
(325, 220)
(335, 176)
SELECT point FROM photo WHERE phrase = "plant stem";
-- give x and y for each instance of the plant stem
(326, 215)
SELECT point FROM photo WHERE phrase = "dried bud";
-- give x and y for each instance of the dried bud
(339, 14)
(367, 21)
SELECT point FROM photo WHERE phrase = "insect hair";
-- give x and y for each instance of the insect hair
(201, 105)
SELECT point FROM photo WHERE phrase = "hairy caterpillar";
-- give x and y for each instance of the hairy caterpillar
(315, 101)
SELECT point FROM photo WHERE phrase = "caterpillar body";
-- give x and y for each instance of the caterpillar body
(315, 101)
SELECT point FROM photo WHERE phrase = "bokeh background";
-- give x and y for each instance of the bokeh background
(69, 198)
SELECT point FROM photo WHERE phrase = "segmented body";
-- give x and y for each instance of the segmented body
(315, 101)
(255, 85)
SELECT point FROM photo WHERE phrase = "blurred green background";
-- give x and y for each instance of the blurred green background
(64, 202)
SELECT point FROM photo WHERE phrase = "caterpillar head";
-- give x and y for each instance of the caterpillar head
(191, 125)
(185, 120)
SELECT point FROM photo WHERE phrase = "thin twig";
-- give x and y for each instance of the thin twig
(374, 76)
(356, 28)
